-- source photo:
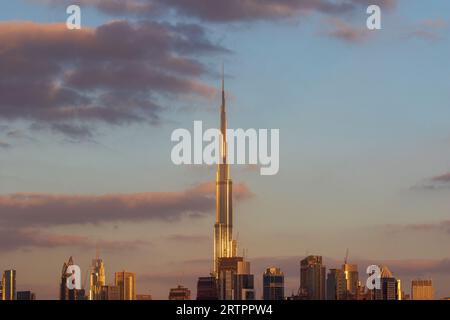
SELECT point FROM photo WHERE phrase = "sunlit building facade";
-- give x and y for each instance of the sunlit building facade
(126, 281)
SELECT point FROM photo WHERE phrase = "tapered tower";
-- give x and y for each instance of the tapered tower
(224, 246)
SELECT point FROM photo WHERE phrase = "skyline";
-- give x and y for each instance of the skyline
(364, 143)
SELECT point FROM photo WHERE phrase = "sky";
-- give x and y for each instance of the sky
(86, 118)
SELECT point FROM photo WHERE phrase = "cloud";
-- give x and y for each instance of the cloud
(441, 226)
(42, 209)
(341, 30)
(182, 238)
(444, 178)
(429, 30)
(67, 81)
(435, 183)
(26, 238)
(4, 145)
(230, 10)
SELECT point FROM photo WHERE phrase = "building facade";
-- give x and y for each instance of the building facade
(97, 279)
(126, 281)
(312, 278)
(422, 290)
(336, 285)
(9, 285)
(207, 288)
(180, 293)
(273, 284)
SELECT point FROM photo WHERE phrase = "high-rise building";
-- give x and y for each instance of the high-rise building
(97, 279)
(9, 285)
(273, 284)
(390, 287)
(336, 285)
(224, 245)
(180, 293)
(110, 293)
(228, 268)
(422, 290)
(126, 281)
(243, 288)
(26, 295)
(312, 278)
(351, 280)
(65, 293)
(207, 288)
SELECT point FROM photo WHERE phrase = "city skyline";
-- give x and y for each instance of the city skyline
(86, 117)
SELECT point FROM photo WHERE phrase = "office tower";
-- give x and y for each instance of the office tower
(97, 279)
(273, 284)
(336, 285)
(110, 293)
(126, 281)
(243, 287)
(390, 287)
(26, 295)
(207, 288)
(144, 297)
(65, 293)
(422, 290)
(227, 268)
(312, 278)
(224, 246)
(9, 285)
(180, 293)
(351, 280)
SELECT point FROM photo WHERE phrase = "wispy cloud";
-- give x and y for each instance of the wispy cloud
(429, 30)
(28, 238)
(341, 30)
(435, 183)
(41, 209)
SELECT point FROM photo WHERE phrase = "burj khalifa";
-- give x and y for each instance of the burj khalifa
(224, 245)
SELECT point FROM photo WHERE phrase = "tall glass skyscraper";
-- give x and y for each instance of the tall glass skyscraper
(312, 278)
(9, 285)
(97, 279)
(126, 281)
(273, 284)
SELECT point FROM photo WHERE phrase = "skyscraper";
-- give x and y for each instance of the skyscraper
(110, 293)
(126, 281)
(9, 285)
(390, 286)
(228, 267)
(273, 284)
(312, 278)
(97, 279)
(207, 288)
(336, 285)
(243, 288)
(224, 246)
(64, 292)
(180, 293)
(422, 290)
(351, 276)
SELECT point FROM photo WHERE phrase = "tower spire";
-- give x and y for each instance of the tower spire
(223, 228)
(223, 86)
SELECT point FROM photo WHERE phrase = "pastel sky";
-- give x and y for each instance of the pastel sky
(86, 117)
